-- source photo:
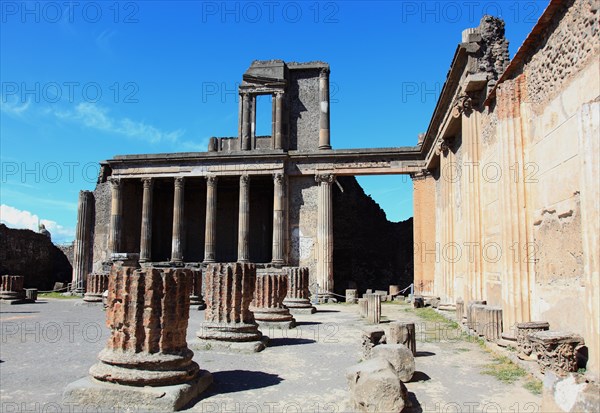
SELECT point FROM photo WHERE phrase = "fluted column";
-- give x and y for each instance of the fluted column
(278, 143)
(278, 219)
(324, 141)
(297, 297)
(116, 210)
(228, 321)
(325, 234)
(177, 242)
(96, 284)
(82, 247)
(147, 314)
(244, 219)
(252, 121)
(245, 144)
(11, 287)
(267, 305)
(146, 232)
(211, 219)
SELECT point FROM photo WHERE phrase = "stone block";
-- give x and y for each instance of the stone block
(570, 394)
(556, 351)
(399, 356)
(371, 337)
(523, 331)
(351, 296)
(403, 333)
(363, 308)
(374, 387)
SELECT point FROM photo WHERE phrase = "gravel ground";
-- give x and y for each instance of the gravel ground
(45, 346)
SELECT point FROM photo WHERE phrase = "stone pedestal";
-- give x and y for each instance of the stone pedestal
(147, 315)
(267, 306)
(196, 299)
(297, 297)
(523, 331)
(394, 290)
(97, 283)
(229, 324)
(556, 350)
(31, 294)
(403, 333)
(492, 323)
(470, 318)
(460, 310)
(373, 308)
(11, 288)
(363, 307)
(351, 296)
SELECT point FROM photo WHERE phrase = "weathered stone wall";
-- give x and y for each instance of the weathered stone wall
(34, 256)
(303, 103)
(67, 249)
(302, 219)
(368, 250)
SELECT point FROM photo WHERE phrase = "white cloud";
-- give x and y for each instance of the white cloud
(13, 106)
(97, 117)
(15, 218)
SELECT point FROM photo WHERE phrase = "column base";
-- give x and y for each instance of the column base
(229, 332)
(321, 147)
(92, 297)
(274, 317)
(230, 346)
(299, 306)
(108, 396)
(197, 302)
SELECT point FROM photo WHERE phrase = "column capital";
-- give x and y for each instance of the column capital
(179, 180)
(325, 178)
(211, 180)
(115, 182)
(324, 72)
(244, 179)
(147, 182)
(279, 178)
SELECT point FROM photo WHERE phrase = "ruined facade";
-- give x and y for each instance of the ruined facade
(268, 200)
(512, 172)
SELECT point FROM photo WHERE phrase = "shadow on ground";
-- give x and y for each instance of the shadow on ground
(276, 342)
(424, 354)
(232, 381)
(419, 376)
(415, 406)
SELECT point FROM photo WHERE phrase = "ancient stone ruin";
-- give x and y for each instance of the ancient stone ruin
(267, 305)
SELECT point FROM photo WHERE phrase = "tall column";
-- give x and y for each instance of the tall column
(278, 120)
(82, 247)
(177, 242)
(240, 115)
(324, 142)
(325, 234)
(146, 232)
(211, 219)
(116, 208)
(278, 220)
(244, 219)
(252, 121)
(245, 144)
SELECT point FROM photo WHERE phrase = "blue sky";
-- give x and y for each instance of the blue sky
(84, 81)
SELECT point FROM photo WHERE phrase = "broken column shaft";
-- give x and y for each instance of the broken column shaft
(297, 297)
(267, 306)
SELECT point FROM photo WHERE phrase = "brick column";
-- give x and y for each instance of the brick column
(116, 210)
(96, 284)
(11, 287)
(82, 247)
(244, 219)
(147, 316)
(267, 306)
(196, 299)
(278, 219)
(324, 141)
(325, 234)
(211, 219)
(229, 323)
(146, 231)
(297, 297)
